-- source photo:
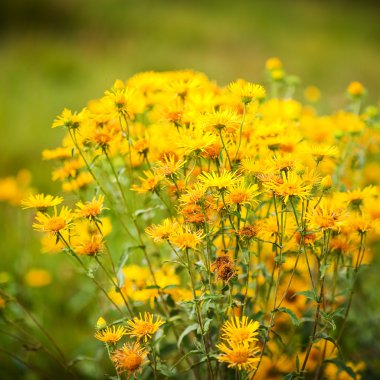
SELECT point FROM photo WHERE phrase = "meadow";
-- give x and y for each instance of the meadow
(57, 55)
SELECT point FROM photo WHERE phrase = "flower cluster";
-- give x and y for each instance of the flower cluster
(228, 205)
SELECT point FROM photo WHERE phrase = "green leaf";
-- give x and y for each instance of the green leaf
(328, 318)
(146, 210)
(187, 331)
(293, 317)
(206, 325)
(310, 294)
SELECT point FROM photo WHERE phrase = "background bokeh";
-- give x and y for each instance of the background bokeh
(62, 53)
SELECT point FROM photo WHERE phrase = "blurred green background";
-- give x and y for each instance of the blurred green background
(62, 53)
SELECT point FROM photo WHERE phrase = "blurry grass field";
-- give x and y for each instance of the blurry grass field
(56, 54)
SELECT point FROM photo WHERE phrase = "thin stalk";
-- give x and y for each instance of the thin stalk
(199, 315)
(241, 129)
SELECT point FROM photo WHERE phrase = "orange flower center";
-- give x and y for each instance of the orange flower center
(56, 224)
(239, 356)
(132, 361)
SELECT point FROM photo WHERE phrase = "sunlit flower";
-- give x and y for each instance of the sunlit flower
(241, 194)
(290, 185)
(90, 210)
(240, 330)
(184, 238)
(168, 166)
(242, 356)
(41, 202)
(161, 232)
(111, 335)
(219, 181)
(69, 119)
(54, 224)
(37, 277)
(130, 358)
(149, 184)
(144, 327)
(247, 91)
(90, 246)
(355, 89)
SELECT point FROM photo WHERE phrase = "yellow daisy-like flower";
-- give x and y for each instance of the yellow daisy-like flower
(90, 210)
(220, 181)
(273, 63)
(327, 216)
(247, 91)
(291, 185)
(168, 166)
(111, 334)
(89, 245)
(150, 183)
(54, 224)
(184, 238)
(194, 142)
(130, 358)
(355, 89)
(69, 119)
(240, 194)
(225, 119)
(37, 277)
(242, 356)
(143, 328)
(41, 202)
(356, 197)
(161, 232)
(240, 330)
(321, 151)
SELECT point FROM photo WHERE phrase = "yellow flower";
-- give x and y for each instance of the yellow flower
(291, 185)
(356, 197)
(101, 323)
(144, 327)
(319, 152)
(225, 119)
(247, 91)
(242, 356)
(111, 334)
(220, 181)
(54, 224)
(41, 202)
(195, 141)
(88, 245)
(161, 232)
(327, 216)
(130, 358)
(184, 238)
(312, 93)
(90, 210)
(59, 153)
(355, 89)
(240, 330)
(124, 102)
(37, 277)
(150, 183)
(273, 63)
(240, 194)
(168, 166)
(69, 119)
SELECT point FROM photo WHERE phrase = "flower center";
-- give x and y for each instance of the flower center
(132, 361)
(56, 224)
